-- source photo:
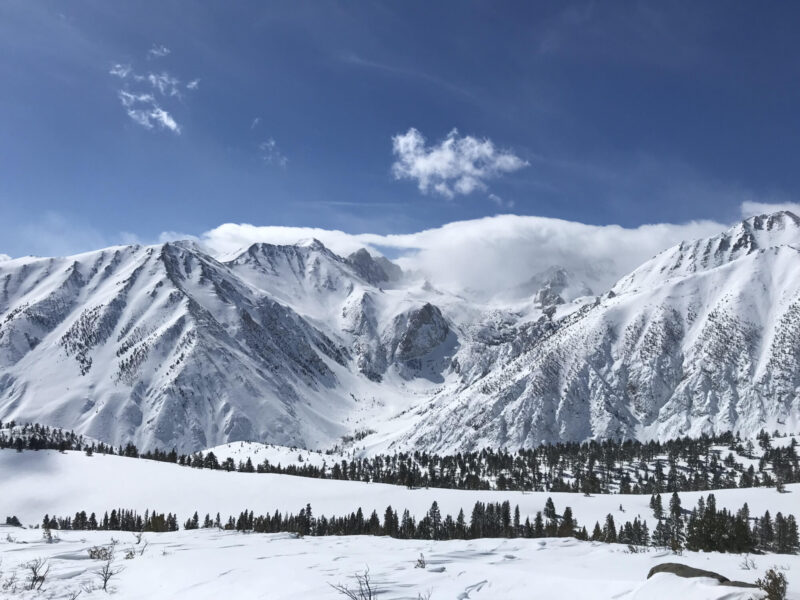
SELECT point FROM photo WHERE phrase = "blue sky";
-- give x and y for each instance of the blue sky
(120, 121)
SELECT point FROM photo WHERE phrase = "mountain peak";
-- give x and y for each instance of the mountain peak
(374, 270)
(779, 220)
(753, 234)
(312, 243)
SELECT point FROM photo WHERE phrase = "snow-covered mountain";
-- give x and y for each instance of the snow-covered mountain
(705, 336)
(167, 346)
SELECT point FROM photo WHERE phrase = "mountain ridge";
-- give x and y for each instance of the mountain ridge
(166, 345)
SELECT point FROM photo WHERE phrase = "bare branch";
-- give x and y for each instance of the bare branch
(365, 591)
(107, 572)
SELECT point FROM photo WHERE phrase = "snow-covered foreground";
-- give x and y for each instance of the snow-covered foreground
(214, 564)
(210, 564)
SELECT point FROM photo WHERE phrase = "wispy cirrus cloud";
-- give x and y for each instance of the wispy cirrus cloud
(270, 154)
(120, 70)
(500, 202)
(358, 61)
(144, 110)
(456, 165)
(144, 95)
(158, 51)
(165, 83)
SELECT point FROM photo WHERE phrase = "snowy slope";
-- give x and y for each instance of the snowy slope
(165, 346)
(276, 455)
(210, 564)
(294, 345)
(703, 337)
(142, 484)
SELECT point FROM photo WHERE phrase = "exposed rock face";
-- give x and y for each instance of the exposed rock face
(375, 270)
(552, 286)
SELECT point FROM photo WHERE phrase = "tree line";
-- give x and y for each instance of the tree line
(705, 527)
(611, 466)
(117, 520)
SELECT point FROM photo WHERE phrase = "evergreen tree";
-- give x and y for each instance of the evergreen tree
(568, 524)
(610, 530)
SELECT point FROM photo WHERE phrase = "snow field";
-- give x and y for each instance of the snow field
(210, 564)
(47, 482)
(202, 564)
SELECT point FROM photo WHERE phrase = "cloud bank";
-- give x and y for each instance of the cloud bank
(456, 165)
(489, 255)
(750, 208)
(492, 254)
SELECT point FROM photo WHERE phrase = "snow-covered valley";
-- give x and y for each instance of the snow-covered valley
(207, 563)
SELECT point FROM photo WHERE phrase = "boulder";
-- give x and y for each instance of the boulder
(687, 571)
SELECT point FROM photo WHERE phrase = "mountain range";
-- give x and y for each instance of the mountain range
(170, 346)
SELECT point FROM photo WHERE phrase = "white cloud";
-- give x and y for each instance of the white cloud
(255, 122)
(128, 99)
(144, 110)
(158, 51)
(4, 257)
(271, 154)
(457, 165)
(166, 84)
(490, 254)
(163, 82)
(139, 92)
(500, 202)
(751, 208)
(120, 70)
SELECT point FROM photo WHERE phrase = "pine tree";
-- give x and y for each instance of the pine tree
(568, 525)
(538, 525)
(610, 530)
(676, 538)
(549, 509)
(461, 527)
(435, 521)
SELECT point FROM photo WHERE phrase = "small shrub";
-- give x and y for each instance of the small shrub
(101, 552)
(747, 564)
(107, 572)
(774, 584)
(38, 573)
(365, 590)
